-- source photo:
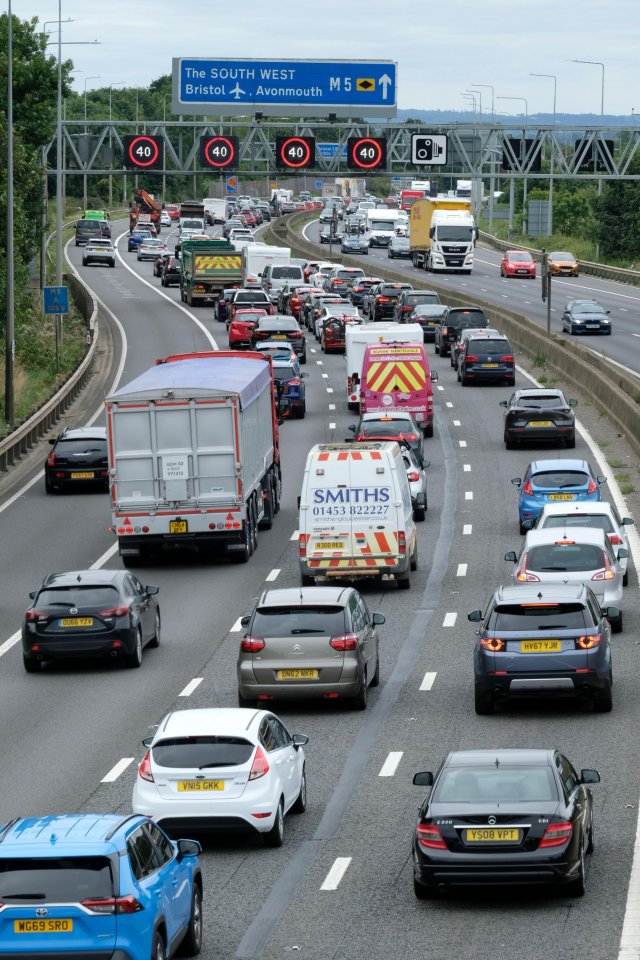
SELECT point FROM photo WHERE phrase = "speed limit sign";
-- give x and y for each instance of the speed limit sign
(142, 152)
(366, 153)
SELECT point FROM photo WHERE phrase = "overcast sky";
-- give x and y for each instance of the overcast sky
(442, 48)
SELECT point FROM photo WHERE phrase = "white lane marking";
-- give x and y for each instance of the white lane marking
(337, 872)
(313, 350)
(456, 423)
(11, 642)
(100, 562)
(440, 388)
(391, 764)
(237, 627)
(191, 686)
(332, 406)
(467, 530)
(462, 570)
(462, 443)
(449, 619)
(466, 467)
(635, 334)
(329, 389)
(332, 426)
(468, 494)
(448, 404)
(179, 306)
(295, 535)
(320, 363)
(428, 681)
(119, 768)
(325, 376)
(273, 575)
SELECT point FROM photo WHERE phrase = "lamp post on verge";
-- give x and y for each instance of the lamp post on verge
(96, 76)
(550, 76)
(596, 63)
(522, 158)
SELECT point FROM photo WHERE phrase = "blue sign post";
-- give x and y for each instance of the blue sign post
(56, 300)
(281, 88)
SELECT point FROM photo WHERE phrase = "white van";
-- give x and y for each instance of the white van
(358, 338)
(356, 518)
(275, 276)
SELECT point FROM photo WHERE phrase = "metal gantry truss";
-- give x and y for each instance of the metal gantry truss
(474, 150)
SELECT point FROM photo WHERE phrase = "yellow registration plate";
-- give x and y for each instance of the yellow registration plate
(178, 526)
(493, 835)
(87, 475)
(195, 786)
(330, 545)
(58, 925)
(540, 423)
(540, 646)
(561, 496)
(301, 674)
(279, 336)
(76, 622)
(489, 365)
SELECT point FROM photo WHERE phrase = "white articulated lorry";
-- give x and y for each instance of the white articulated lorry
(194, 459)
(442, 234)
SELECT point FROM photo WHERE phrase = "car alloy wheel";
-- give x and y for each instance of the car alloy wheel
(134, 660)
(300, 804)
(155, 640)
(275, 836)
(192, 943)
(159, 952)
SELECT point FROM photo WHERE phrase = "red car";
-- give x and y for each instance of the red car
(294, 305)
(248, 217)
(332, 338)
(518, 263)
(242, 326)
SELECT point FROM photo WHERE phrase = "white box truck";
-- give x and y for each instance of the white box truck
(358, 338)
(257, 256)
(194, 458)
(215, 210)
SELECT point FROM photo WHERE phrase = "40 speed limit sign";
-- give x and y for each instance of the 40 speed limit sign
(142, 152)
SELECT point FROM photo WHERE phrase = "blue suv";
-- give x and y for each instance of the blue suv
(290, 385)
(97, 885)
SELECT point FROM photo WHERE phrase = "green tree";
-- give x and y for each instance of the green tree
(618, 222)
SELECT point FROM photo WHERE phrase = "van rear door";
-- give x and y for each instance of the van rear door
(397, 377)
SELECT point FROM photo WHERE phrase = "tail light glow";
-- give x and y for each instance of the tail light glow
(144, 770)
(115, 611)
(51, 459)
(260, 765)
(528, 489)
(344, 642)
(402, 542)
(32, 615)
(114, 905)
(430, 837)
(413, 476)
(588, 642)
(556, 835)
(593, 486)
(251, 644)
(471, 358)
(302, 544)
(494, 644)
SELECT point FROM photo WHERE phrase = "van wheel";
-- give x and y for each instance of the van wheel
(267, 518)
(360, 700)
(307, 581)
(419, 514)
(404, 582)
(428, 430)
(414, 558)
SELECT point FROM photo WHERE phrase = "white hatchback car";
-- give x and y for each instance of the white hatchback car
(216, 769)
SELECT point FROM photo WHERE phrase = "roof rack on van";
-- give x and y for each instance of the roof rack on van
(7, 827)
(121, 823)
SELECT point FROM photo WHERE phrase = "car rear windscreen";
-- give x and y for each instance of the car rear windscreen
(413, 299)
(201, 752)
(469, 318)
(251, 297)
(377, 428)
(55, 879)
(565, 557)
(537, 616)
(287, 273)
(549, 402)
(278, 323)
(78, 596)
(297, 621)
(486, 347)
(559, 479)
(597, 521)
(69, 448)
(495, 785)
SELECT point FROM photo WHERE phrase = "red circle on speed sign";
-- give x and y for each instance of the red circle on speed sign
(225, 150)
(139, 156)
(370, 160)
(296, 152)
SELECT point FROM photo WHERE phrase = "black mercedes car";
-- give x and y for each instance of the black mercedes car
(503, 817)
(78, 459)
(539, 414)
(90, 613)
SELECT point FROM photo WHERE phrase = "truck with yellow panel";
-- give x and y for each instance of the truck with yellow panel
(207, 268)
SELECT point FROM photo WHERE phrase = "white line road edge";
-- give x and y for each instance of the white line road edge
(391, 764)
(191, 686)
(116, 771)
(428, 681)
(336, 873)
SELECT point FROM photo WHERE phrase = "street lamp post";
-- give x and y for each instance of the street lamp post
(472, 97)
(550, 76)
(596, 63)
(120, 83)
(96, 76)
(522, 158)
(479, 93)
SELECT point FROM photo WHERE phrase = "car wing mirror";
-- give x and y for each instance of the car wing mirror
(601, 480)
(475, 616)
(151, 589)
(611, 612)
(426, 463)
(147, 742)
(517, 481)
(528, 524)
(423, 779)
(511, 555)
(32, 595)
(299, 740)
(378, 619)
(188, 848)
(352, 427)
(589, 776)
(626, 521)
(52, 440)
(622, 553)
(504, 403)
(245, 620)
(304, 375)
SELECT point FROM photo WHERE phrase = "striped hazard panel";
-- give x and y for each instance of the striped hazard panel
(408, 376)
(369, 550)
(349, 455)
(218, 262)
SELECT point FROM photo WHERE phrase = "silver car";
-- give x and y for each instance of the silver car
(150, 249)
(99, 251)
(600, 515)
(576, 555)
(309, 642)
(417, 477)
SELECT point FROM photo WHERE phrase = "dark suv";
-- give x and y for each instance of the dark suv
(78, 459)
(457, 319)
(409, 300)
(486, 359)
(89, 230)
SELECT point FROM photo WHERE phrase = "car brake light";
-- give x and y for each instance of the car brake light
(593, 486)
(588, 643)
(251, 644)
(115, 611)
(383, 299)
(402, 542)
(508, 358)
(260, 765)
(614, 538)
(429, 836)
(346, 641)
(470, 358)
(144, 770)
(524, 576)
(528, 489)
(607, 573)
(32, 615)
(494, 644)
(51, 459)
(114, 905)
(413, 476)
(556, 834)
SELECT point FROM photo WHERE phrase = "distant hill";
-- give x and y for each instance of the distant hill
(562, 119)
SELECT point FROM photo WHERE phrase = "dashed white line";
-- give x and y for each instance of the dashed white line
(119, 768)
(313, 350)
(462, 570)
(391, 764)
(320, 363)
(11, 642)
(332, 406)
(466, 467)
(456, 423)
(236, 627)
(325, 376)
(449, 619)
(329, 389)
(337, 872)
(462, 443)
(468, 494)
(448, 404)
(273, 575)
(332, 426)
(440, 388)
(466, 530)
(427, 681)
(191, 686)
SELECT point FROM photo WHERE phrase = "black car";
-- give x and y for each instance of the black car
(503, 817)
(360, 288)
(458, 318)
(381, 300)
(331, 234)
(585, 316)
(486, 360)
(409, 300)
(540, 640)
(539, 414)
(429, 316)
(246, 298)
(354, 242)
(399, 247)
(78, 459)
(171, 272)
(282, 328)
(221, 308)
(90, 613)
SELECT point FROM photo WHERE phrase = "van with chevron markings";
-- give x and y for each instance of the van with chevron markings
(396, 377)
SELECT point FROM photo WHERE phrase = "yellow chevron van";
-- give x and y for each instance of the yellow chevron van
(356, 518)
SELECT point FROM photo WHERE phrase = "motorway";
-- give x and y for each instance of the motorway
(341, 887)
(485, 283)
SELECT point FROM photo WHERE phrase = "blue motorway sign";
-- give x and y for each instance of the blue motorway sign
(56, 299)
(284, 88)
(329, 150)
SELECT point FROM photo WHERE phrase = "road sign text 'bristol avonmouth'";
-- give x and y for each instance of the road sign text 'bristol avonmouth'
(277, 88)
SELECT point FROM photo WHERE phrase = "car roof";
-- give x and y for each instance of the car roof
(483, 335)
(562, 463)
(304, 596)
(386, 415)
(83, 834)
(527, 253)
(578, 506)
(84, 433)
(86, 577)
(498, 756)
(591, 535)
(219, 720)
(541, 592)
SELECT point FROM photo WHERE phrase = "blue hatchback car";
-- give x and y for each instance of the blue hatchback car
(554, 481)
(290, 385)
(97, 885)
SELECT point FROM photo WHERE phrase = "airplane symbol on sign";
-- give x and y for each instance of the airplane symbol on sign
(237, 90)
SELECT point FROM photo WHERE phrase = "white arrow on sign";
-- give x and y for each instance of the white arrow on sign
(384, 82)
